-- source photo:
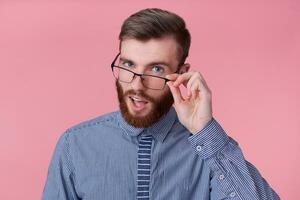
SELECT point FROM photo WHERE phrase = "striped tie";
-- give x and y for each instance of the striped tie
(144, 159)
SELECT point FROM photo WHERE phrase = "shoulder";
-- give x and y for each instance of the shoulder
(92, 126)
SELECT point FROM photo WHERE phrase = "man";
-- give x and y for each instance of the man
(150, 149)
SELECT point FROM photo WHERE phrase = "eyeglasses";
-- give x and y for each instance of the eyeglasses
(149, 81)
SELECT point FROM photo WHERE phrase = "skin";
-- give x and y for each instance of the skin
(195, 110)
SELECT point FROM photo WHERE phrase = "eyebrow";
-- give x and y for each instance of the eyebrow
(149, 64)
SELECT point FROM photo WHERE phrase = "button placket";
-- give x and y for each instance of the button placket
(232, 194)
(221, 177)
(199, 148)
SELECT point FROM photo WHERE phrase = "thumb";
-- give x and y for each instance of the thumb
(172, 77)
(175, 92)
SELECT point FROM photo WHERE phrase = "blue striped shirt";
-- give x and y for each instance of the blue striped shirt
(99, 159)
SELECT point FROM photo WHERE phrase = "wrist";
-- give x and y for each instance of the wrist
(198, 128)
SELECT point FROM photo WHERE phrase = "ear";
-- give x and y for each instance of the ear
(184, 68)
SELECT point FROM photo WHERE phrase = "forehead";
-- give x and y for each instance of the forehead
(153, 50)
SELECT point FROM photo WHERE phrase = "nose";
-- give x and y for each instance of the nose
(137, 83)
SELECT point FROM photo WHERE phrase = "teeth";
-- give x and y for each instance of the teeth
(136, 99)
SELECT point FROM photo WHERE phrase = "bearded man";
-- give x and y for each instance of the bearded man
(161, 144)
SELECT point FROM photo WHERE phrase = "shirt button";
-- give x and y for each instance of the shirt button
(221, 177)
(198, 147)
(232, 194)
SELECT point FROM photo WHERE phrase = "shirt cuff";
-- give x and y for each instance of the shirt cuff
(209, 140)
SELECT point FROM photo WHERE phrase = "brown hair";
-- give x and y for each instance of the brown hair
(157, 23)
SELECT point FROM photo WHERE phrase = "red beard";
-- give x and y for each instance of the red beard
(160, 107)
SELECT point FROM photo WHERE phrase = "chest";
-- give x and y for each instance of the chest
(110, 171)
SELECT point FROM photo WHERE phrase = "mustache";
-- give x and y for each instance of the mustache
(140, 93)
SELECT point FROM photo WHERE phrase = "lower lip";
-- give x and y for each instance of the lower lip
(137, 107)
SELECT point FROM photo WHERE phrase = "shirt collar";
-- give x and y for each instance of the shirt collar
(159, 130)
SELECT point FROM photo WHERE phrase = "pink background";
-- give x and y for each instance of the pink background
(54, 73)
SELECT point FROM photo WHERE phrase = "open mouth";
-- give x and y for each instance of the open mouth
(138, 103)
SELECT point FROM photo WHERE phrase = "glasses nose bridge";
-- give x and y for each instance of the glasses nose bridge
(137, 74)
(138, 84)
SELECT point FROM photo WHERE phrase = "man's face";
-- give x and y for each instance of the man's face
(139, 105)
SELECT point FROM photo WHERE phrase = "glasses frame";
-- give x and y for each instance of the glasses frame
(138, 74)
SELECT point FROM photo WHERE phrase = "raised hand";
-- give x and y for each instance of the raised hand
(195, 111)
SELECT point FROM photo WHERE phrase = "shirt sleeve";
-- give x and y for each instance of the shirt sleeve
(60, 179)
(232, 176)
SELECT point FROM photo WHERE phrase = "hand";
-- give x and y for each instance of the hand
(195, 111)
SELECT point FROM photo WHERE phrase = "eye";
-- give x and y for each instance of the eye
(157, 69)
(127, 64)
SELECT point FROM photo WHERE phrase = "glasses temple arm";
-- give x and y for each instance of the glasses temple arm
(113, 62)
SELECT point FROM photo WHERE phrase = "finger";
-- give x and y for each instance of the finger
(203, 80)
(195, 90)
(198, 85)
(175, 92)
(192, 80)
(183, 79)
(172, 77)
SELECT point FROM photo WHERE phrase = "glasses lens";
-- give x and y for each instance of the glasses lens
(152, 82)
(126, 76)
(122, 74)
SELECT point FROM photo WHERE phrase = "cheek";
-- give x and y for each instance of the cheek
(155, 94)
(124, 87)
(165, 91)
(121, 89)
(158, 95)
